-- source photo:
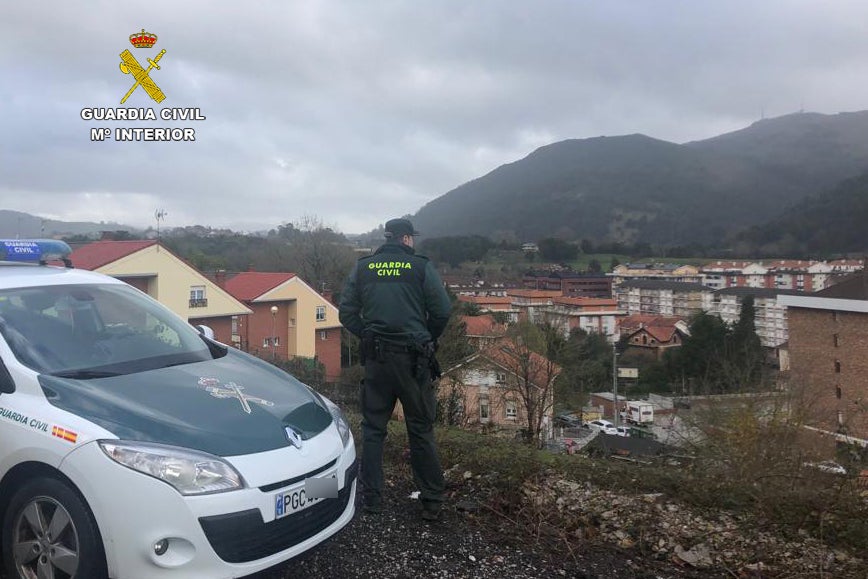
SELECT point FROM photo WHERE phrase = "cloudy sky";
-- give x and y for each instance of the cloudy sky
(357, 111)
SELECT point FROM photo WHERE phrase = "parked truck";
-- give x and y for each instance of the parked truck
(639, 413)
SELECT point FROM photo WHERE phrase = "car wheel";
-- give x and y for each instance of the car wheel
(49, 531)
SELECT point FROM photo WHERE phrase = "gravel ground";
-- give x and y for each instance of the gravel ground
(398, 544)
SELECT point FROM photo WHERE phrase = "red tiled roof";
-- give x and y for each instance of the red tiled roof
(634, 322)
(518, 361)
(585, 302)
(662, 334)
(485, 299)
(725, 265)
(249, 285)
(788, 264)
(99, 253)
(532, 293)
(483, 326)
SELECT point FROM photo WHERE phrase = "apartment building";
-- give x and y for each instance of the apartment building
(655, 271)
(770, 314)
(828, 348)
(784, 274)
(532, 305)
(657, 297)
(597, 316)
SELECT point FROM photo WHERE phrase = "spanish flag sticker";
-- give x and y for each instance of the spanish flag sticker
(66, 435)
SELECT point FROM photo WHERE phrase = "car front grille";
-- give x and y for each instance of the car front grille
(243, 536)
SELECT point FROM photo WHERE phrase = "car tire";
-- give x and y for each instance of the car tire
(49, 526)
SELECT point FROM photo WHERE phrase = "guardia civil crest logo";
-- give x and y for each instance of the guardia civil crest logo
(130, 65)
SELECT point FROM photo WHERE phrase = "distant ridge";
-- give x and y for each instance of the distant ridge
(18, 225)
(635, 188)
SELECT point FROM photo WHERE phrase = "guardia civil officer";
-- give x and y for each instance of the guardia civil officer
(396, 303)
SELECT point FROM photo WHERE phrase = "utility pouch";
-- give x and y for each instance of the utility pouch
(434, 365)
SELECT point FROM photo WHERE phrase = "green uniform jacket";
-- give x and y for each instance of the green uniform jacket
(397, 295)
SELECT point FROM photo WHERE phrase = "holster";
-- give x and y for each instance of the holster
(368, 348)
(427, 361)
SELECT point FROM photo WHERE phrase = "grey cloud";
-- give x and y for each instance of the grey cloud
(359, 111)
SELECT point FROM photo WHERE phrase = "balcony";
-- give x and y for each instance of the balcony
(199, 302)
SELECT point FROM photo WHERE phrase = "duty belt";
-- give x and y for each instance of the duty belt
(396, 348)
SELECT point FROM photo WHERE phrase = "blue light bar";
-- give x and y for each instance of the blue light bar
(34, 250)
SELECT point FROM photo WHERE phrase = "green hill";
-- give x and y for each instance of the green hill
(635, 188)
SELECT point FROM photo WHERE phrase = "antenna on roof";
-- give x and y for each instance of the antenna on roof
(159, 215)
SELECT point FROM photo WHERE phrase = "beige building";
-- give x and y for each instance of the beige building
(161, 274)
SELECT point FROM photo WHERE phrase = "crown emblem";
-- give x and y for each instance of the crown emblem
(143, 39)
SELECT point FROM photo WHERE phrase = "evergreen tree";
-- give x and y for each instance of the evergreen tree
(743, 365)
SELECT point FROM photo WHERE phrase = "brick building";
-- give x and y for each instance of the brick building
(570, 283)
(828, 349)
(288, 319)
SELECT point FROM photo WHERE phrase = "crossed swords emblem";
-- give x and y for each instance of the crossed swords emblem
(232, 390)
(129, 65)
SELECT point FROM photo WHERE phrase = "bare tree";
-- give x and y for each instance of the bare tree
(318, 253)
(529, 358)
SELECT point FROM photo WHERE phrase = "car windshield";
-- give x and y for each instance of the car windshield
(92, 331)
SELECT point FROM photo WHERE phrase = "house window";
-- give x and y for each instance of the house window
(276, 340)
(234, 324)
(838, 392)
(511, 409)
(266, 342)
(837, 366)
(835, 340)
(324, 335)
(483, 411)
(320, 313)
(500, 378)
(197, 296)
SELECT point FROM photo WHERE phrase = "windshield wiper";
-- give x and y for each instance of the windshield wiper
(85, 374)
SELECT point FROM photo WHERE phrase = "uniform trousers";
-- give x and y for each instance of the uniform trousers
(397, 376)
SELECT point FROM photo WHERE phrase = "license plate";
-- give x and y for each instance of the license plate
(298, 498)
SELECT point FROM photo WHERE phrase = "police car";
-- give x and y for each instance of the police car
(134, 445)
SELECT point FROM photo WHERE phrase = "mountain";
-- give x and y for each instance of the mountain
(830, 223)
(636, 188)
(15, 225)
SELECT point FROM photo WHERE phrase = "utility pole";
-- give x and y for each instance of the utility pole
(615, 381)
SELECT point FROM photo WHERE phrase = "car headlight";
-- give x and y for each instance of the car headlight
(191, 472)
(340, 420)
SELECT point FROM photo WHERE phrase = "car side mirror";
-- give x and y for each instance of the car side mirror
(206, 331)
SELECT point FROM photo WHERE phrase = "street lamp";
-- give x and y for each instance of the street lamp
(273, 335)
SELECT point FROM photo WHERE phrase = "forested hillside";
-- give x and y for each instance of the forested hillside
(830, 223)
(635, 188)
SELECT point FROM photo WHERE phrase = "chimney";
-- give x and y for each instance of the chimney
(220, 278)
